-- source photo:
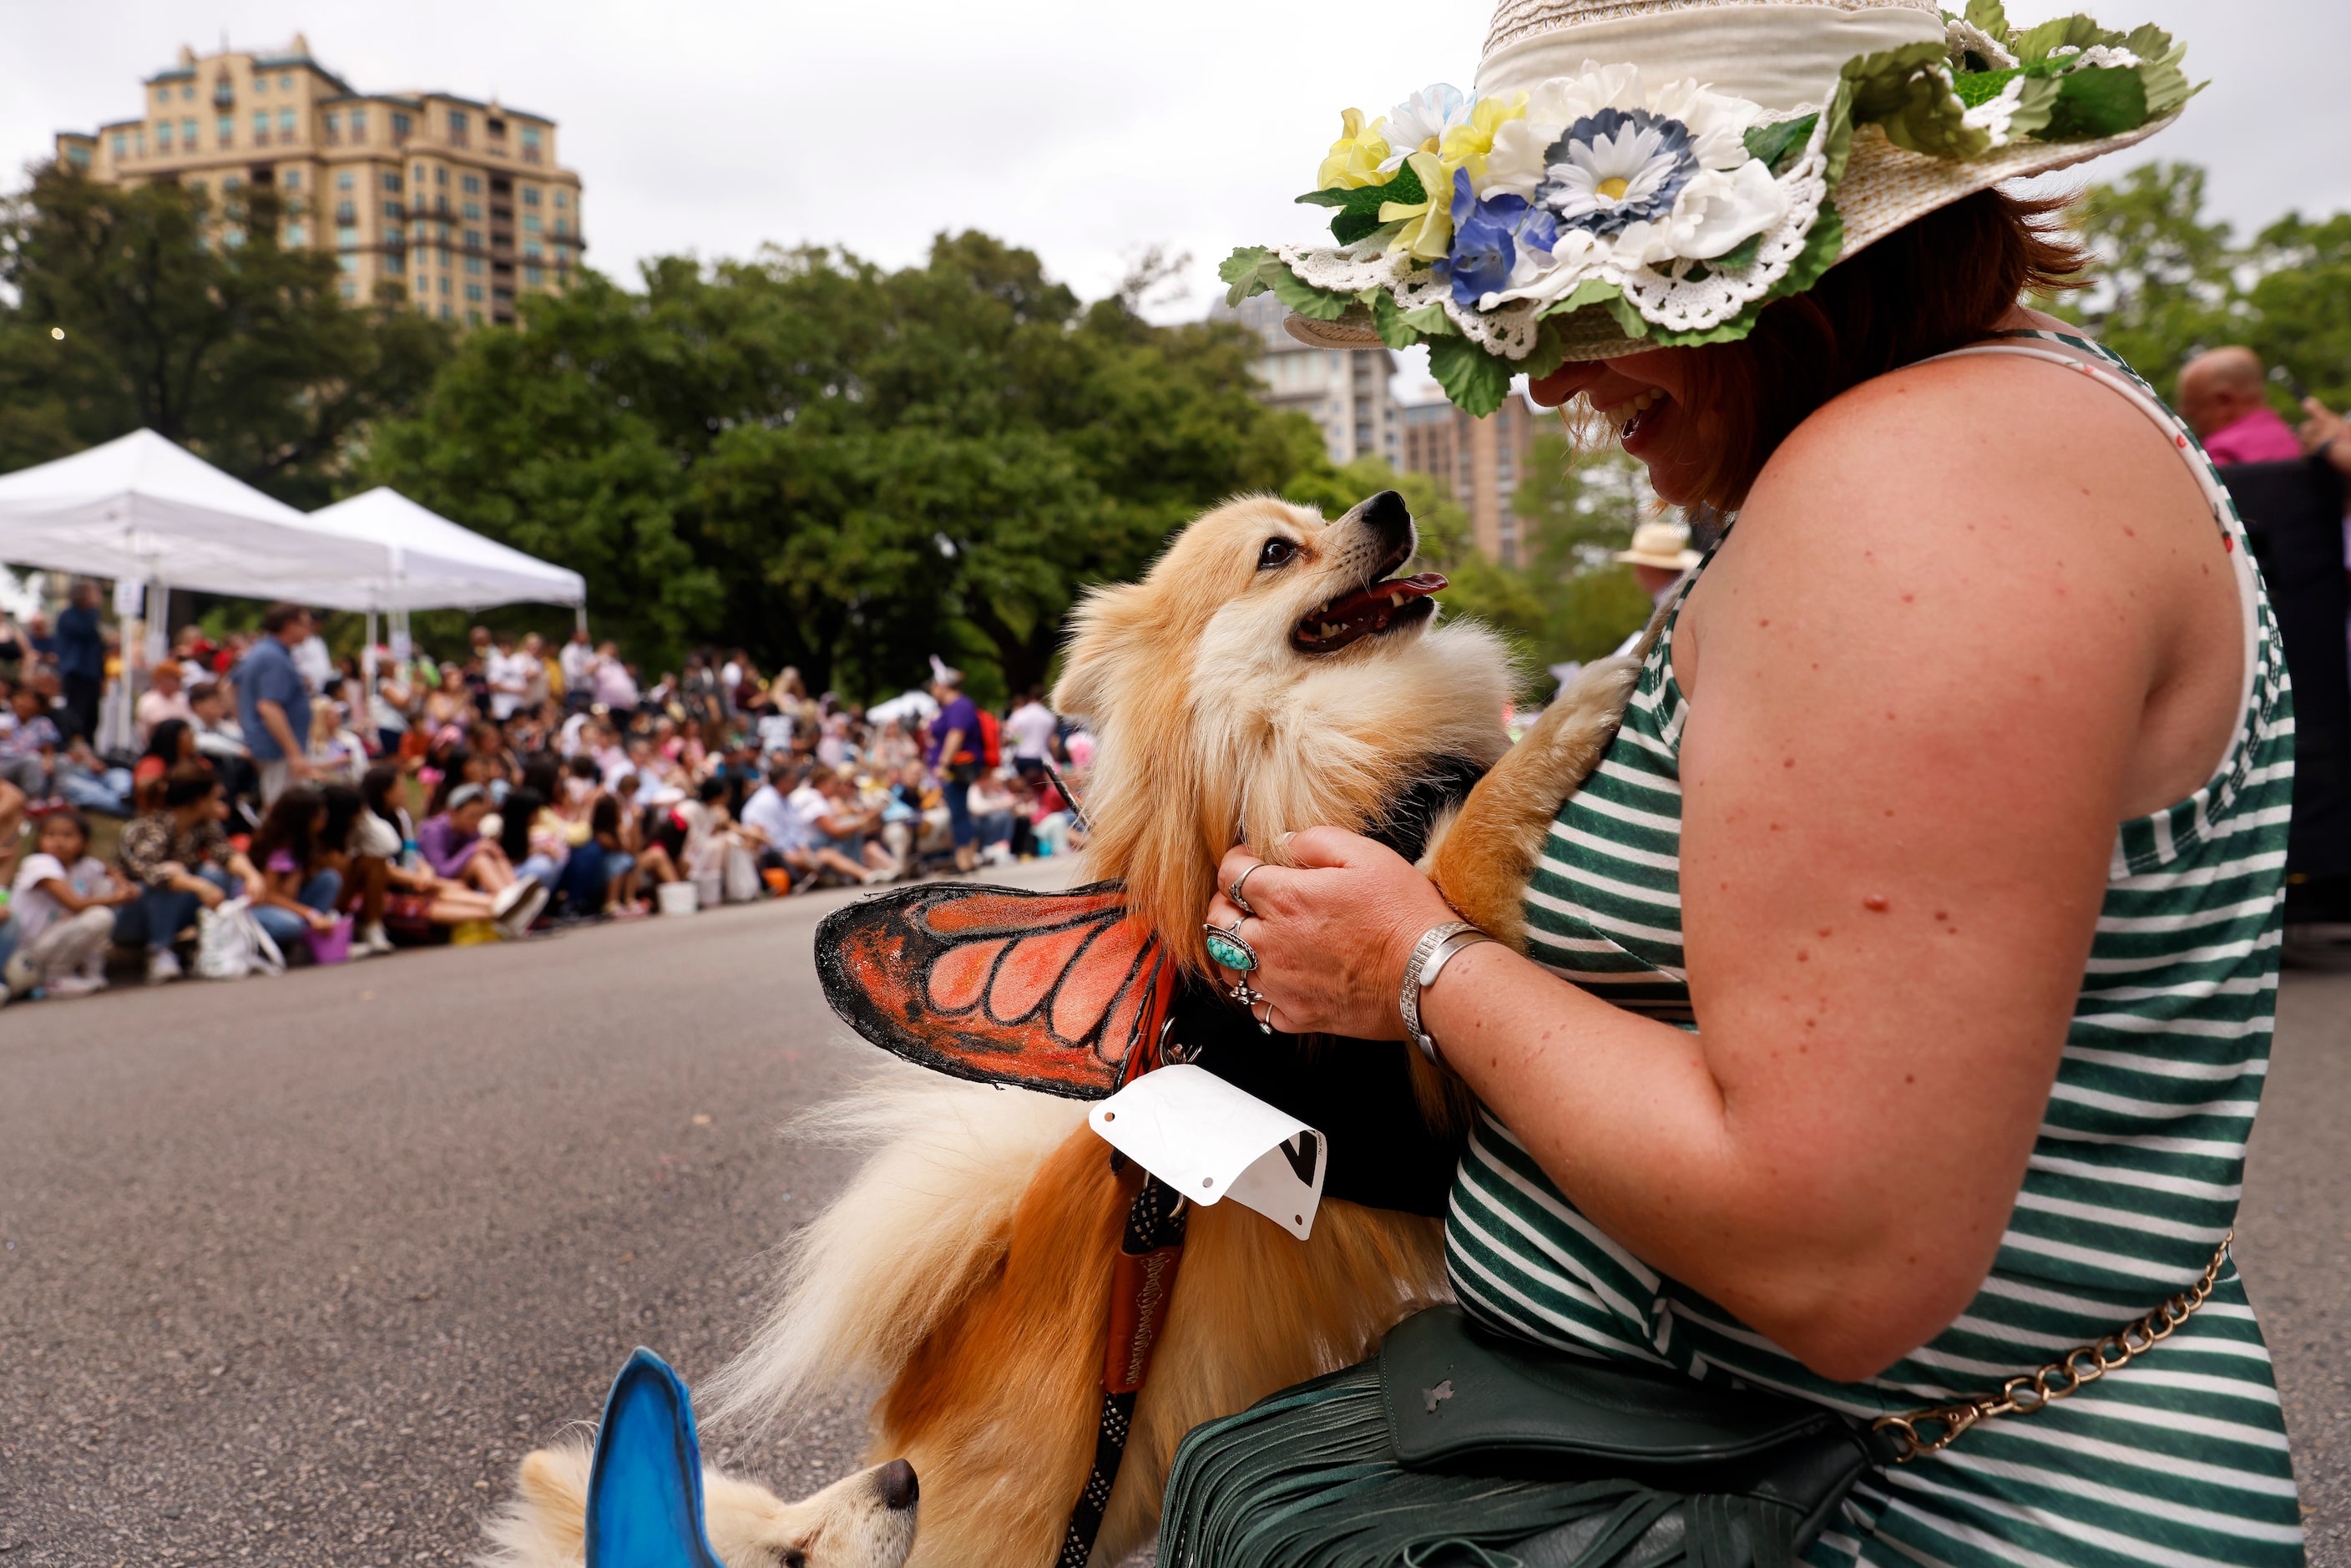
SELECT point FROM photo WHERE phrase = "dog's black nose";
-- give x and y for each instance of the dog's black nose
(899, 1488)
(1387, 514)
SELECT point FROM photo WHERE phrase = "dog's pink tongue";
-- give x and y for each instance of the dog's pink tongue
(1387, 594)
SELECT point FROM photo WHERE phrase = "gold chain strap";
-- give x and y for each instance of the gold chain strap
(2035, 1392)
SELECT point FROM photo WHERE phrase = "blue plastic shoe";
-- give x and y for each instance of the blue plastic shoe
(645, 1488)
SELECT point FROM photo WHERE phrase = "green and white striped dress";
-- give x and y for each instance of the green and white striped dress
(2179, 1458)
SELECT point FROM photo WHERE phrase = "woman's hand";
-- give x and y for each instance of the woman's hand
(1334, 934)
(322, 920)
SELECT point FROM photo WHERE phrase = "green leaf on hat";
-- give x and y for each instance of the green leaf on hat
(1304, 298)
(1837, 146)
(1823, 248)
(1472, 378)
(1739, 257)
(1432, 322)
(2065, 32)
(2100, 102)
(1359, 209)
(1548, 353)
(2159, 62)
(1388, 321)
(1242, 270)
(1779, 145)
(1591, 291)
(1991, 15)
(1909, 93)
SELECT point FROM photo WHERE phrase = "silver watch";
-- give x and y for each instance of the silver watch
(1430, 955)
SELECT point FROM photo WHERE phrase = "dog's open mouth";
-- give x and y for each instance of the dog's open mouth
(1384, 605)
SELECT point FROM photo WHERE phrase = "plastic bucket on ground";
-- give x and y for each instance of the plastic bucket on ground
(710, 890)
(333, 946)
(678, 898)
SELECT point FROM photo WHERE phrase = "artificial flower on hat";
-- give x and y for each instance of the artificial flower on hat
(1582, 206)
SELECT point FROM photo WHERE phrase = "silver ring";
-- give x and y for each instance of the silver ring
(1246, 994)
(1265, 1023)
(1234, 892)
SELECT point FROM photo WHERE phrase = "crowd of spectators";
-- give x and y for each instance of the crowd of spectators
(332, 809)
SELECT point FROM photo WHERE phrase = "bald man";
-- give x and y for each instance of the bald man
(2224, 397)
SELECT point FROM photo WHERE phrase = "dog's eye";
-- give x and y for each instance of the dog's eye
(791, 1557)
(1277, 552)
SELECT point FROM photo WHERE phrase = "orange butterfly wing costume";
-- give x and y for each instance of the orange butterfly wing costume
(1052, 991)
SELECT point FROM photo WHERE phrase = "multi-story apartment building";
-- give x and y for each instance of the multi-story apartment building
(1347, 392)
(446, 206)
(1479, 462)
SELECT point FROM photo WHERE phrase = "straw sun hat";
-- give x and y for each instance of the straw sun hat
(1634, 174)
(1663, 544)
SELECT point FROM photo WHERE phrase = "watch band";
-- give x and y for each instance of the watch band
(1435, 948)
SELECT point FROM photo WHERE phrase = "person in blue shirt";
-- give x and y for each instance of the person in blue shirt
(273, 701)
(81, 657)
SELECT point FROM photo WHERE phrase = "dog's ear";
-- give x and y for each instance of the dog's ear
(1103, 629)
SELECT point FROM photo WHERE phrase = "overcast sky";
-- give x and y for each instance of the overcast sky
(1085, 132)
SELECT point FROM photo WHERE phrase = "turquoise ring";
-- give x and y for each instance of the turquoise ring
(1227, 949)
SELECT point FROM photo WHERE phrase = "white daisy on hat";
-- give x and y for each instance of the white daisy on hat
(1636, 175)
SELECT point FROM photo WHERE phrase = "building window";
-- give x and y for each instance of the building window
(359, 125)
(391, 183)
(347, 236)
(346, 213)
(530, 222)
(473, 210)
(456, 128)
(559, 229)
(531, 195)
(400, 124)
(162, 136)
(474, 266)
(394, 261)
(393, 210)
(350, 292)
(472, 184)
(534, 275)
(187, 91)
(445, 283)
(530, 143)
(444, 310)
(260, 83)
(225, 132)
(562, 199)
(472, 318)
(285, 83)
(344, 181)
(532, 253)
(441, 175)
(348, 262)
(291, 179)
(163, 95)
(393, 236)
(121, 145)
(261, 128)
(293, 234)
(286, 123)
(473, 294)
(188, 135)
(79, 156)
(473, 239)
(334, 129)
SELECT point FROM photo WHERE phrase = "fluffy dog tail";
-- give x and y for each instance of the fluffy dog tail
(922, 1225)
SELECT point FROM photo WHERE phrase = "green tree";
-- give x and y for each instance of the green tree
(150, 306)
(840, 466)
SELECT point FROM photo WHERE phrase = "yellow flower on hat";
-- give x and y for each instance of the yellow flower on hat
(1356, 157)
(1427, 231)
(1467, 145)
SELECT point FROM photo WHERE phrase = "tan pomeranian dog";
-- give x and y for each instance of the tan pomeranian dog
(1270, 674)
(864, 1522)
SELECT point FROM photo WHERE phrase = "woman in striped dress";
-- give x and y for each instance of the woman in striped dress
(1857, 1053)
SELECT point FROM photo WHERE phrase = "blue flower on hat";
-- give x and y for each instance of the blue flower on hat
(1490, 240)
(1616, 167)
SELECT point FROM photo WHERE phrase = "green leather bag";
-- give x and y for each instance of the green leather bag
(1457, 1449)
(1756, 1476)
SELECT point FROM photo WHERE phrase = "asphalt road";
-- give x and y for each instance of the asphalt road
(292, 1271)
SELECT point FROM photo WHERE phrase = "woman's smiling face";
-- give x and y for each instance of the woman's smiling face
(1640, 396)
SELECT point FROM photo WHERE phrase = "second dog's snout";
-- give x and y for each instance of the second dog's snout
(1387, 513)
(899, 1487)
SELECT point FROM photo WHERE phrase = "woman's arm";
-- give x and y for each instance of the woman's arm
(1934, 683)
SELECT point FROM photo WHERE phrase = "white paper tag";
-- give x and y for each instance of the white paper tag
(1210, 1141)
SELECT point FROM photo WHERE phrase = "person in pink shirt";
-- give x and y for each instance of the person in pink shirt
(2224, 397)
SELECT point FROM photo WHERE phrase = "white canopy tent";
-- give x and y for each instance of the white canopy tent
(435, 564)
(143, 509)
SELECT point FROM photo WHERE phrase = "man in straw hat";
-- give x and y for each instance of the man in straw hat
(1887, 1012)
